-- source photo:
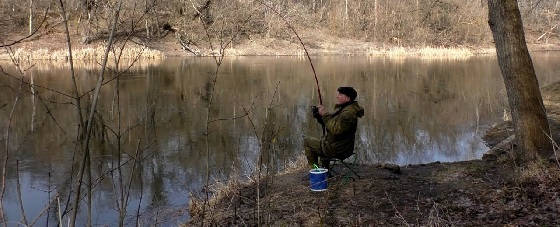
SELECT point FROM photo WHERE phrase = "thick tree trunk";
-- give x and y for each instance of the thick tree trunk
(522, 86)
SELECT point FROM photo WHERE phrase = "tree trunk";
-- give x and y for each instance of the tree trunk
(374, 17)
(346, 9)
(313, 6)
(34, 109)
(30, 17)
(524, 96)
(345, 20)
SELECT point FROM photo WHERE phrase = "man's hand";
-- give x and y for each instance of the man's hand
(322, 110)
(315, 112)
(318, 112)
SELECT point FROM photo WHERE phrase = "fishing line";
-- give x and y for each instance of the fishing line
(302, 44)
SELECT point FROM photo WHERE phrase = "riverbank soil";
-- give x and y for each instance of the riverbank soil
(493, 191)
(318, 42)
(463, 193)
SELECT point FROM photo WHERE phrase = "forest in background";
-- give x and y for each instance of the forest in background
(406, 23)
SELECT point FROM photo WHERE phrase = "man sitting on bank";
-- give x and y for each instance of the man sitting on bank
(340, 126)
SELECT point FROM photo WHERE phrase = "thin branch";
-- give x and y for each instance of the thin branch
(71, 62)
(34, 85)
(140, 200)
(130, 181)
(20, 200)
(302, 44)
(534, 6)
(7, 147)
(100, 179)
(228, 119)
(45, 209)
(50, 113)
(43, 103)
(118, 74)
(34, 31)
(92, 111)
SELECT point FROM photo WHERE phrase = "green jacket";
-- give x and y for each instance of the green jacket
(341, 130)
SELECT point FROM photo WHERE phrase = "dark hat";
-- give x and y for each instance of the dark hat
(348, 91)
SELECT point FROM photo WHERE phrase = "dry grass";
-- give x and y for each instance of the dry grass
(295, 165)
(543, 175)
(232, 187)
(89, 53)
(219, 191)
(431, 52)
(46, 65)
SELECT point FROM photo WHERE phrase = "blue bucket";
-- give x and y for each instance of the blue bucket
(318, 179)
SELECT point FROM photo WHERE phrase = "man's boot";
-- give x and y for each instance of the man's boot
(325, 163)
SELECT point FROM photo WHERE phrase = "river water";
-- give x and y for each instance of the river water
(416, 111)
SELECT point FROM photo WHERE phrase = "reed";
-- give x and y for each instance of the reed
(458, 53)
(219, 190)
(49, 65)
(232, 187)
(86, 53)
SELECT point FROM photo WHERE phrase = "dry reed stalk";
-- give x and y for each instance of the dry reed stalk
(220, 190)
(295, 165)
(140, 64)
(459, 53)
(233, 186)
(85, 53)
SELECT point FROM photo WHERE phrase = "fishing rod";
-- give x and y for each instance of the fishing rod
(302, 44)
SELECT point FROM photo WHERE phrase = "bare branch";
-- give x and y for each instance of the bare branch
(71, 62)
(92, 111)
(7, 155)
(32, 33)
(45, 209)
(229, 119)
(20, 200)
(35, 85)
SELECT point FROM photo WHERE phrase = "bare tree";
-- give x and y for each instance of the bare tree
(522, 86)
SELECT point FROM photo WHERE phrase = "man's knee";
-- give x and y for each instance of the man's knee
(309, 153)
(311, 142)
(306, 142)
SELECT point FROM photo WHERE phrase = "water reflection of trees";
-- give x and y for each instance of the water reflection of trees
(415, 112)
